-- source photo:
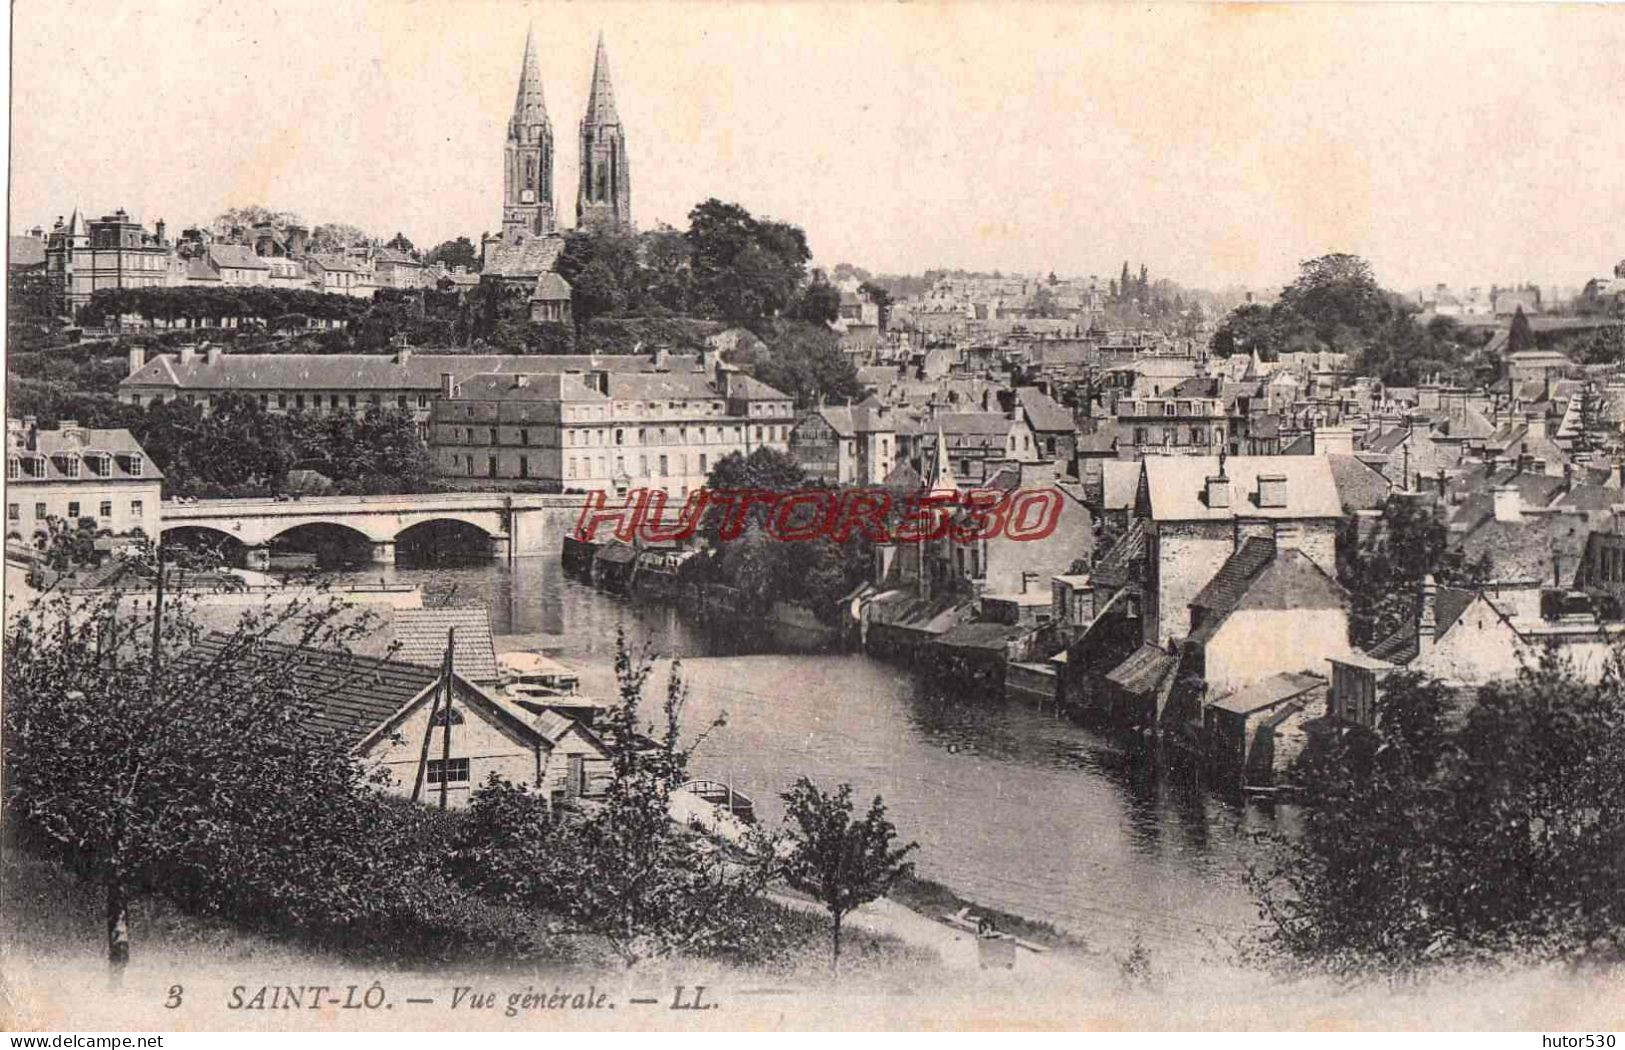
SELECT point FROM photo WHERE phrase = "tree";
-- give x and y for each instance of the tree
(624, 869)
(803, 360)
(819, 303)
(400, 243)
(454, 253)
(881, 297)
(1470, 827)
(841, 862)
(1521, 337)
(744, 269)
(248, 216)
(139, 759)
(336, 236)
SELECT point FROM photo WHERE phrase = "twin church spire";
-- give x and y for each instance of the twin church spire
(604, 198)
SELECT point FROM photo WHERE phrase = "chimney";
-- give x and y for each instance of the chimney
(159, 228)
(1508, 503)
(32, 425)
(213, 355)
(187, 354)
(1536, 423)
(520, 381)
(659, 357)
(1218, 491)
(1272, 490)
(403, 355)
(1334, 441)
(448, 385)
(1427, 617)
(138, 359)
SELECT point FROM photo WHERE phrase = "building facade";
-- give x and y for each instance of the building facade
(602, 431)
(76, 472)
(83, 257)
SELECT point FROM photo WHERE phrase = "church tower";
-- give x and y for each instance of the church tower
(527, 179)
(605, 197)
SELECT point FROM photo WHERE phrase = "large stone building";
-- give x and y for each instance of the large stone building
(603, 430)
(352, 383)
(115, 251)
(530, 241)
(76, 472)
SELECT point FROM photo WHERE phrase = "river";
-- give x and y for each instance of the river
(1012, 807)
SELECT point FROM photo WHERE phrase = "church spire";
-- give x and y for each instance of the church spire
(601, 97)
(942, 474)
(604, 199)
(529, 105)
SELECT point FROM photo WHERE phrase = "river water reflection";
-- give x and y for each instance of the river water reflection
(1012, 807)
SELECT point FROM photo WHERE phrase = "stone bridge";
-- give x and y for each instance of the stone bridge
(511, 524)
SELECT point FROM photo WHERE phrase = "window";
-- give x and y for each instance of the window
(135, 508)
(73, 511)
(491, 466)
(13, 512)
(135, 466)
(39, 511)
(524, 466)
(334, 401)
(70, 466)
(282, 401)
(662, 466)
(1168, 408)
(265, 400)
(423, 400)
(14, 467)
(494, 439)
(439, 719)
(1196, 435)
(401, 401)
(524, 436)
(643, 466)
(352, 401)
(703, 467)
(454, 771)
(106, 509)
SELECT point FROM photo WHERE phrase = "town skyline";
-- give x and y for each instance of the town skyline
(1193, 177)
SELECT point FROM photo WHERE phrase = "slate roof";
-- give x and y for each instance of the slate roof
(1400, 647)
(1119, 483)
(973, 424)
(1177, 487)
(550, 287)
(394, 257)
(1358, 486)
(374, 371)
(568, 386)
(1231, 581)
(1044, 414)
(337, 262)
(1526, 550)
(348, 696)
(903, 477)
(749, 388)
(1261, 695)
(978, 635)
(529, 258)
(1114, 566)
(421, 635)
(236, 257)
(655, 386)
(1143, 670)
(54, 444)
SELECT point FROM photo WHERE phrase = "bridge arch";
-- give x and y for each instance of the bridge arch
(445, 539)
(331, 543)
(206, 541)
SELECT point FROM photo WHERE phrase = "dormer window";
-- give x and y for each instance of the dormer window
(1272, 490)
(14, 468)
(101, 464)
(132, 465)
(69, 465)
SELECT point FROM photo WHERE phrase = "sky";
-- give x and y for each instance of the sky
(1218, 145)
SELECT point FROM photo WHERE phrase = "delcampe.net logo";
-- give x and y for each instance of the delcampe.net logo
(810, 514)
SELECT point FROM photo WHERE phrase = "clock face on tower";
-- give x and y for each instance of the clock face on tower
(527, 197)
